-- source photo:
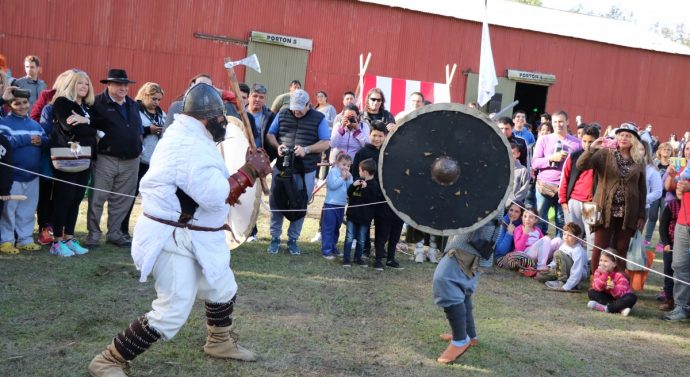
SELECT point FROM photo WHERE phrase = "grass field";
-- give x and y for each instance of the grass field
(306, 316)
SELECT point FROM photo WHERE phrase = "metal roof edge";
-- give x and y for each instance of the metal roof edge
(544, 20)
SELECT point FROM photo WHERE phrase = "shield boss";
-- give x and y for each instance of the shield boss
(446, 169)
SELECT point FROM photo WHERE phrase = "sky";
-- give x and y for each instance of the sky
(645, 12)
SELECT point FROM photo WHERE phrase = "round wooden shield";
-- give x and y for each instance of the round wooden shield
(242, 216)
(446, 169)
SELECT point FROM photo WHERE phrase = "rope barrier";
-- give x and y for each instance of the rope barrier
(67, 182)
(267, 208)
(604, 250)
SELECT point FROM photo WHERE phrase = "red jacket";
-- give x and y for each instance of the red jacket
(582, 190)
(621, 287)
(44, 98)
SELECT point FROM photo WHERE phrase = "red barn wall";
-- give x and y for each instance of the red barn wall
(154, 41)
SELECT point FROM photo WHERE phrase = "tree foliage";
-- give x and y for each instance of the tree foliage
(678, 33)
(536, 3)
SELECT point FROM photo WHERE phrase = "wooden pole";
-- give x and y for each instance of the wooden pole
(363, 65)
(235, 87)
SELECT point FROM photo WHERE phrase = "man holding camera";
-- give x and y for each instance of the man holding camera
(302, 133)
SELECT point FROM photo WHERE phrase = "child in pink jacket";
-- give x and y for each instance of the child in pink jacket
(531, 242)
(610, 292)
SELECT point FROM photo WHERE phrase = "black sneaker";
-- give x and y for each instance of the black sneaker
(346, 264)
(378, 266)
(393, 264)
(361, 263)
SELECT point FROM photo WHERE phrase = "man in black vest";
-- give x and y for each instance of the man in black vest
(116, 116)
(305, 130)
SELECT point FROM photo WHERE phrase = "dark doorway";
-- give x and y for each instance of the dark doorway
(532, 100)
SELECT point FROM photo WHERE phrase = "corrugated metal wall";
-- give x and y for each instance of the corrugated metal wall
(154, 41)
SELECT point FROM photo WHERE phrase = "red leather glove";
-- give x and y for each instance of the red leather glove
(258, 165)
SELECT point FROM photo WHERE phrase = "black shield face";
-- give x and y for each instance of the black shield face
(446, 169)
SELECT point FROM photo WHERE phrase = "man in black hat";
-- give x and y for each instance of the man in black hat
(116, 116)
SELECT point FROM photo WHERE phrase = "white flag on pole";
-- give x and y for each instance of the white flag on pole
(487, 70)
(250, 61)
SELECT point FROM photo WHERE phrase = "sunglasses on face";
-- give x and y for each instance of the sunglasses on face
(375, 99)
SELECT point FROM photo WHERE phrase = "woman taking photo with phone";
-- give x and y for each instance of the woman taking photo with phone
(621, 190)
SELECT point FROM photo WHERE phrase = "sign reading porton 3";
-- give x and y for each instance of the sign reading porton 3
(282, 40)
(533, 77)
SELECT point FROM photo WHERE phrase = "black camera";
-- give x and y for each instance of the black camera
(288, 158)
(352, 119)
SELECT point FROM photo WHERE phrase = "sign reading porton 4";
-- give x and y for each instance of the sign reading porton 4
(533, 77)
(282, 40)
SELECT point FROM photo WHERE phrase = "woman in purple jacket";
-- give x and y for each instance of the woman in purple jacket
(349, 134)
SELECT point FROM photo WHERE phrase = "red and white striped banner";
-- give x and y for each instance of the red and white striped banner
(397, 91)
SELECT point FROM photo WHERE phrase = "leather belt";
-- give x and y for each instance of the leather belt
(189, 226)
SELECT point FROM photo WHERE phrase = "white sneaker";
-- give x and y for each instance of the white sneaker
(625, 312)
(251, 239)
(432, 255)
(317, 237)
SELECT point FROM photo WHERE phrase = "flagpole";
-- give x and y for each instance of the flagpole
(486, 86)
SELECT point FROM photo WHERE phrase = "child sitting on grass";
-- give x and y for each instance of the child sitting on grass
(570, 261)
(337, 182)
(27, 139)
(610, 292)
(360, 212)
(505, 243)
(531, 245)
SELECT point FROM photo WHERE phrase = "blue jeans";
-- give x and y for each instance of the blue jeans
(655, 209)
(543, 206)
(355, 232)
(331, 220)
(295, 228)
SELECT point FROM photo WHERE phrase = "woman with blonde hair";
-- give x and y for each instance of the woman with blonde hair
(149, 98)
(72, 124)
(621, 191)
(42, 112)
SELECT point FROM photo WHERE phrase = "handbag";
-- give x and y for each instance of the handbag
(591, 211)
(636, 253)
(547, 189)
(72, 159)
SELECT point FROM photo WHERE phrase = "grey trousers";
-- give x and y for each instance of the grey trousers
(681, 266)
(575, 215)
(115, 175)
